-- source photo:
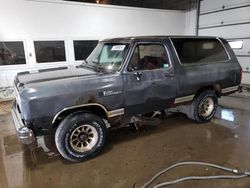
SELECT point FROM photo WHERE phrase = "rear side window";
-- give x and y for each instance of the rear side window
(191, 51)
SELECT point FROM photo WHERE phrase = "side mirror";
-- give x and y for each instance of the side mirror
(132, 68)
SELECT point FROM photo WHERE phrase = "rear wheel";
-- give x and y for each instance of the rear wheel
(204, 106)
(80, 136)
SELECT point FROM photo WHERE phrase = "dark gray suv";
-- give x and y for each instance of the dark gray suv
(121, 78)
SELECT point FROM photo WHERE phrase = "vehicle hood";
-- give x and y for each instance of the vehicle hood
(42, 75)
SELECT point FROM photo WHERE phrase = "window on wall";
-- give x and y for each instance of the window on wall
(236, 44)
(49, 51)
(12, 53)
(192, 51)
(83, 48)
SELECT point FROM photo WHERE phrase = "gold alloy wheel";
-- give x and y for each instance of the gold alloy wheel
(84, 138)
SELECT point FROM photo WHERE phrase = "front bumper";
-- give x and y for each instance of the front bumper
(24, 134)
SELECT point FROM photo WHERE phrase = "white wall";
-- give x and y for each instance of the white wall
(190, 22)
(41, 19)
(29, 20)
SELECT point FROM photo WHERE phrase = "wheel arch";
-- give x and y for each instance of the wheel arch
(94, 108)
(214, 87)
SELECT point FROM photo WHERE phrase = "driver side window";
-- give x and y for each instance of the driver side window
(149, 57)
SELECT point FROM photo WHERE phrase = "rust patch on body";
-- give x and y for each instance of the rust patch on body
(92, 99)
(84, 100)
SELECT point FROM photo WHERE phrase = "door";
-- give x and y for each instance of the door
(149, 80)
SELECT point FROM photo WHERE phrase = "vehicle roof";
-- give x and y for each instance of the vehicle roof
(153, 37)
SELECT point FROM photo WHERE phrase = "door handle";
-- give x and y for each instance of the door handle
(169, 73)
(137, 75)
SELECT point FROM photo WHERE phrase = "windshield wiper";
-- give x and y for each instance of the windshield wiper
(99, 68)
(92, 66)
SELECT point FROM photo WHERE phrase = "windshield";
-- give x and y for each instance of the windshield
(108, 56)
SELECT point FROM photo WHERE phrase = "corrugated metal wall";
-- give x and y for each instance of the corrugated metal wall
(229, 19)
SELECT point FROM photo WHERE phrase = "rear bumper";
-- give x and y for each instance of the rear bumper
(24, 134)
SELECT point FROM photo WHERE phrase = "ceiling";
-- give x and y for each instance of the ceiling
(157, 4)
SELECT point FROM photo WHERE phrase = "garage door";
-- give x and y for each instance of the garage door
(229, 19)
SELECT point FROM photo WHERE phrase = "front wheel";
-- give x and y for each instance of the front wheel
(80, 136)
(204, 106)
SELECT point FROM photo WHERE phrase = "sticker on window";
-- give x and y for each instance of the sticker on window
(166, 65)
(118, 48)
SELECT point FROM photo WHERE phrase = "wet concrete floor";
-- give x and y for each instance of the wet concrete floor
(132, 157)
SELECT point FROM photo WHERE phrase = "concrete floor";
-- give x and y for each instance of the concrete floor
(132, 157)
